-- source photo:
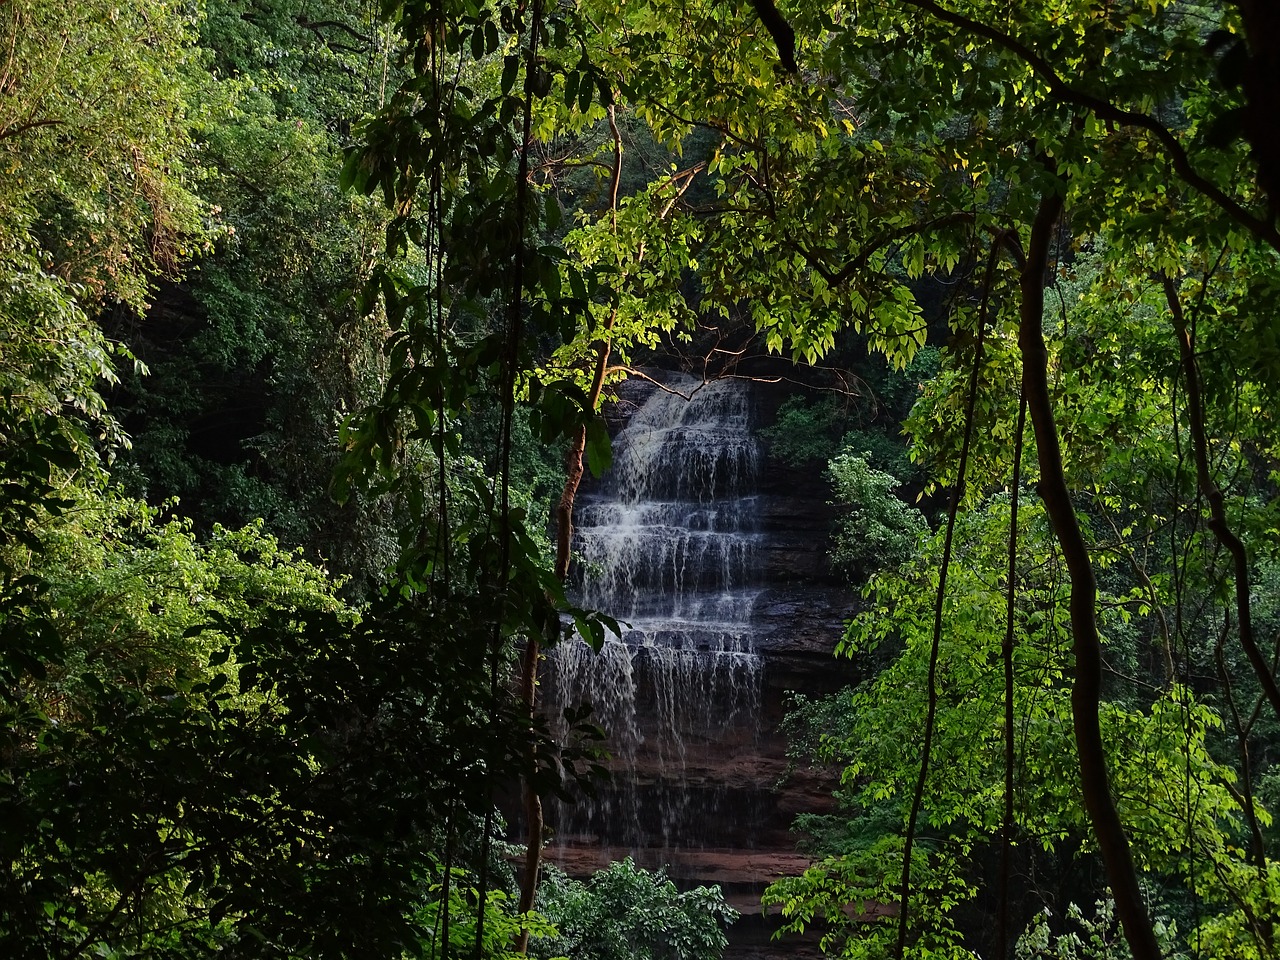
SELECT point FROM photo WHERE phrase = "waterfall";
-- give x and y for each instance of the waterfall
(667, 544)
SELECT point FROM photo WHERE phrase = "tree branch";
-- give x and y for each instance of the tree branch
(1213, 493)
(879, 243)
(22, 128)
(1006, 654)
(783, 36)
(315, 26)
(1060, 90)
(529, 673)
(1258, 846)
(1153, 597)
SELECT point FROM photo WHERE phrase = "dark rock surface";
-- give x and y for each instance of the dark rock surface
(738, 794)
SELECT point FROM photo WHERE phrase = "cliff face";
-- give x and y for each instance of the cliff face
(724, 581)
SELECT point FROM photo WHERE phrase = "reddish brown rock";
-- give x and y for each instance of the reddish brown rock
(703, 787)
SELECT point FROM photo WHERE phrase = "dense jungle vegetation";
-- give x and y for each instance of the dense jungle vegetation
(309, 314)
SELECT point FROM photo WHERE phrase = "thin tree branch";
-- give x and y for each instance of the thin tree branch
(529, 673)
(851, 267)
(315, 26)
(931, 714)
(29, 125)
(1006, 654)
(1153, 597)
(573, 459)
(1213, 494)
(1244, 801)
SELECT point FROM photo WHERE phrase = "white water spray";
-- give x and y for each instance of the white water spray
(668, 545)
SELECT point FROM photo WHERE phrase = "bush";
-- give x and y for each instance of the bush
(878, 531)
(626, 913)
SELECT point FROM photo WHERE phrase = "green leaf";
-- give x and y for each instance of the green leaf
(599, 447)
(510, 67)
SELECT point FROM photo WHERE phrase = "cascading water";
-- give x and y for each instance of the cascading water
(667, 544)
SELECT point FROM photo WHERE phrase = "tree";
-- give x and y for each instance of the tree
(95, 201)
(1107, 266)
(1173, 793)
(879, 530)
(205, 750)
(256, 355)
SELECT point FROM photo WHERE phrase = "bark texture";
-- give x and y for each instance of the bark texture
(1086, 690)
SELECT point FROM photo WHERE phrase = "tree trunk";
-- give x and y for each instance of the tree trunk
(1086, 692)
(1262, 93)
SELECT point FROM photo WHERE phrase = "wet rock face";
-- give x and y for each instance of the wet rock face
(716, 558)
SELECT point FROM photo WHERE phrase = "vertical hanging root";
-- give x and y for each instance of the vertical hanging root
(1006, 653)
(917, 798)
(1213, 494)
(532, 802)
(564, 543)
(529, 674)
(1086, 692)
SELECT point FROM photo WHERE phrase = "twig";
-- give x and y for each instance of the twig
(1006, 653)
(1213, 494)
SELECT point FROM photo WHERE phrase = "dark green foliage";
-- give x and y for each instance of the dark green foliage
(1158, 746)
(865, 422)
(465, 906)
(256, 358)
(806, 432)
(322, 62)
(205, 750)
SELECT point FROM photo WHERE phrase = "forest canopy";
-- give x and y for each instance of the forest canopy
(309, 321)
